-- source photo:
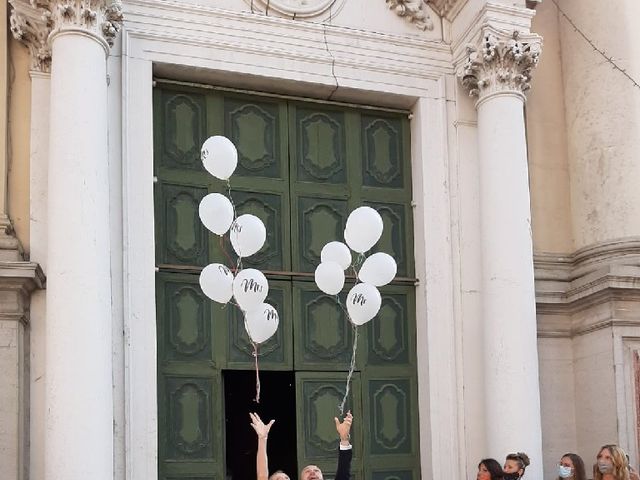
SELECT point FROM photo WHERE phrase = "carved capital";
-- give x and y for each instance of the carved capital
(34, 22)
(414, 11)
(501, 63)
(29, 24)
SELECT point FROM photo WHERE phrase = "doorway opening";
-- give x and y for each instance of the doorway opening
(277, 401)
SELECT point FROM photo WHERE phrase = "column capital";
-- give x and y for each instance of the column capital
(35, 22)
(500, 62)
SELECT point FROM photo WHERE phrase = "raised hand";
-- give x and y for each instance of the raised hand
(258, 425)
(344, 427)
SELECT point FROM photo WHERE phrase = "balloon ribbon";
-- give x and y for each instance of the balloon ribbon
(255, 356)
(352, 367)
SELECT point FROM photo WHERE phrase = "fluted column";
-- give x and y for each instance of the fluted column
(75, 39)
(497, 72)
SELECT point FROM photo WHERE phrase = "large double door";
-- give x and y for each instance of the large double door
(303, 166)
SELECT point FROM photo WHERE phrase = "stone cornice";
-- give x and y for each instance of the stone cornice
(596, 287)
(27, 276)
(17, 280)
(36, 22)
(500, 62)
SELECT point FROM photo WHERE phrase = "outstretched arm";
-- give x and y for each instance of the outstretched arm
(262, 430)
(344, 457)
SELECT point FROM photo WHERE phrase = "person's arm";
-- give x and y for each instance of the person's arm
(262, 430)
(343, 471)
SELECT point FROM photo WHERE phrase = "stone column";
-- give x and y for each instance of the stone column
(497, 72)
(79, 404)
(78, 332)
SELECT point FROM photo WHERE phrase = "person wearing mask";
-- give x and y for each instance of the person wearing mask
(515, 466)
(571, 466)
(489, 469)
(611, 464)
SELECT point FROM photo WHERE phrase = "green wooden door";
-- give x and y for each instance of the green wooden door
(302, 168)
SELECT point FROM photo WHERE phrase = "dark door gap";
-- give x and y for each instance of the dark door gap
(277, 401)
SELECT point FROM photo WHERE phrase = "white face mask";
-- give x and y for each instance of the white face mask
(565, 472)
(605, 467)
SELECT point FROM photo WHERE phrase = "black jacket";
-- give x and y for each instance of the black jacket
(344, 465)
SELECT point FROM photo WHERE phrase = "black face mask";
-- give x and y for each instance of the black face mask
(511, 476)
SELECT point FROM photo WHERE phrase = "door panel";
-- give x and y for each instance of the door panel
(323, 337)
(318, 395)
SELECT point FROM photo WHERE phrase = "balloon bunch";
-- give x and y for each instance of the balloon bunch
(247, 235)
(363, 230)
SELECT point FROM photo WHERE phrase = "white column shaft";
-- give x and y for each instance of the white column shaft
(79, 432)
(510, 339)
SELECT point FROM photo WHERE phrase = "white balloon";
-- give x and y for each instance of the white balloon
(219, 156)
(250, 288)
(261, 322)
(363, 229)
(248, 235)
(378, 269)
(216, 213)
(329, 277)
(336, 252)
(363, 303)
(216, 281)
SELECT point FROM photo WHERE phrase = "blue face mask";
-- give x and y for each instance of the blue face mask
(564, 472)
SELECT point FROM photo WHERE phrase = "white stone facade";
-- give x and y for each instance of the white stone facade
(527, 231)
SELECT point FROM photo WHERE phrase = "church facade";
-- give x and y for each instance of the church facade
(497, 140)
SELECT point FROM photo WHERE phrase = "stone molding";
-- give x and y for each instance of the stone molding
(19, 279)
(36, 22)
(501, 62)
(298, 8)
(413, 11)
(595, 287)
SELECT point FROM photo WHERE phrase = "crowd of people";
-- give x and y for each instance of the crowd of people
(612, 463)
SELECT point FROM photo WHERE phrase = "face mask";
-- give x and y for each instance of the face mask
(605, 467)
(511, 476)
(564, 472)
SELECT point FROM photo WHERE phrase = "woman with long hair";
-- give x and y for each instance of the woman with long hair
(489, 469)
(611, 464)
(514, 465)
(571, 466)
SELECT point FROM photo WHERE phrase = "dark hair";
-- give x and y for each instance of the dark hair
(579, 472)
(522, 459)
(495, 469)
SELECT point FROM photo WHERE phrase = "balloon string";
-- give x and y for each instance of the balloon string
(233, 205)
(226, 253)
(255, 356)
(352, 367)
(357, 263)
